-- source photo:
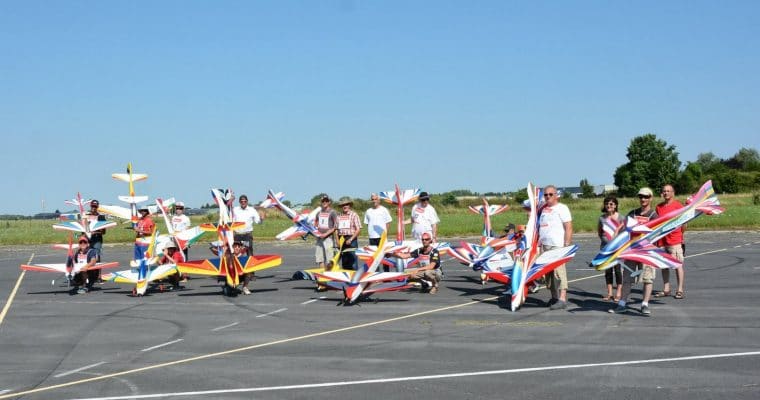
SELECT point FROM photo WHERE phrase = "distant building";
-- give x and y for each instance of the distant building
(601, 190)
(573, 192)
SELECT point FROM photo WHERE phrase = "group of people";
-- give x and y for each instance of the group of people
(346, 226)
(555, 229)
(611, 222)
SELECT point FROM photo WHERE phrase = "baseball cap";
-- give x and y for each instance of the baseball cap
(645, 191)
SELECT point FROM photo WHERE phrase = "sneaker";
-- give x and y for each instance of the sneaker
(552, 302)
(533, 289)
(618, 310)
(82, 291)
(434, 290)
(426, 284)
(246, 291)
(559, 305)
(645, 310)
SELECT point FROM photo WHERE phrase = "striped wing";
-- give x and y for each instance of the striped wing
(259, 262)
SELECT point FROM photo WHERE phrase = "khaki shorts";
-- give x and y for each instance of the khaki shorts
(675, 251)
(557, 280)
(323, 250)
(647, 275)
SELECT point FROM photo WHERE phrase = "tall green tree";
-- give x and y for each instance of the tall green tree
(690, 179)
(587, 190)
(651, 162)
(745, 159)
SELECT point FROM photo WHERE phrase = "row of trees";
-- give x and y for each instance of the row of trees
(653, 162)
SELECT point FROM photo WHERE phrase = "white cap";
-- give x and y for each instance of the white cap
(179, 204)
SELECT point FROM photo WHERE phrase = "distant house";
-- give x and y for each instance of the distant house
(601, 190)
(573, 192)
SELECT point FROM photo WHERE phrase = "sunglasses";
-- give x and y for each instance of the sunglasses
(179, 208)
(549, 194)
(426, 239)
(644, 197)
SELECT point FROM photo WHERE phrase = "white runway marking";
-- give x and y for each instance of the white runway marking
(271, 312)
(162, 345)
(736, 247)
(209, 393)
(707, 252)
(4, 391)
(313, 300)
(225, 326)
(74, 371)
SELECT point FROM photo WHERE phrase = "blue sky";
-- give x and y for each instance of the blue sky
(350, 97)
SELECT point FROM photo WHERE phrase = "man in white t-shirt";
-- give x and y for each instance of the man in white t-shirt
(181, 222)
(424, 218)
(377, 219)
(555, 230)
(249, 216)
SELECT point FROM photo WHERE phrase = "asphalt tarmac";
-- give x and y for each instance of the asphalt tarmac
(287, 341)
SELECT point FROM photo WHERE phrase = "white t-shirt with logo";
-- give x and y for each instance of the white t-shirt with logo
(551, 231)
(423, 219)
(180, 222)
(375, 219)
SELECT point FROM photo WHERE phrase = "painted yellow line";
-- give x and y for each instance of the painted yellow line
(241, 349)
(268, 344)
(13, 293)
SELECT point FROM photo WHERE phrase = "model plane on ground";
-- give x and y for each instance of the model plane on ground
(366, 280)
(68, 270)
(227, 265)
(529, 263)
(145, 268)
(492, 254)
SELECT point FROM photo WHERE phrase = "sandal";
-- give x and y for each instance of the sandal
(679, 295)
(607, 298)
(663, 294)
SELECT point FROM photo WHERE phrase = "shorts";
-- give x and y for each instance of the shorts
(647, 275)
(557, 279)
(675, 251)
(323, 250)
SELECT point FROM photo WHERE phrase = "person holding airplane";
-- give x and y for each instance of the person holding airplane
(249, 216)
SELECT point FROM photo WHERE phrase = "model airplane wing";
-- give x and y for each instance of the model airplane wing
(293, 232)
(116, 211)
(61, 268)
(211, 266)
(550, 260)
(259, 262)
(649, 254)
(133, 275)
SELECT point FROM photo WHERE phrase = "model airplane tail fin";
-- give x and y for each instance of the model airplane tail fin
(273, 199)
(133, 199)
(126, 177)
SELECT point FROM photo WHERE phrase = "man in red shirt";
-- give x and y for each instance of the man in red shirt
(672, 243)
